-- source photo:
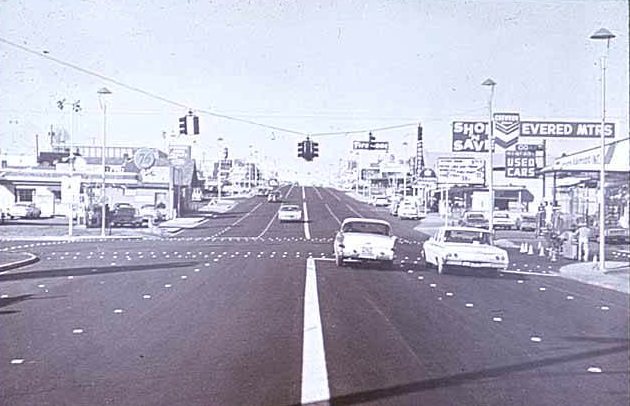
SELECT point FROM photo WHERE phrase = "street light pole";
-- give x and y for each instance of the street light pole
(103, 93)
(491, 83)
(602, 34)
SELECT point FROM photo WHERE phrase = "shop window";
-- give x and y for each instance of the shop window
(25, 195)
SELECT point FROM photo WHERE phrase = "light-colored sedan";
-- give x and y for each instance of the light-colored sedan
(463, 247)
(289, 212)
(502, 219)
(410, 210)
(362, 239)
(24, 210)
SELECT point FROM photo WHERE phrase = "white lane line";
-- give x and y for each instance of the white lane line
(268, 225)
(528, 273)
(289, 192)
(303, 193)
(332, 214)
(318, 194)
(353, 210)
(307, 231)
(246, 215)
(314, 373)
(333, 195)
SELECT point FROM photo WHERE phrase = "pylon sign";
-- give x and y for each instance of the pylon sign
(507, 128)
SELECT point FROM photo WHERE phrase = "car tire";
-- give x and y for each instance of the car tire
(423, 260)
(339, 260)
(441, 268)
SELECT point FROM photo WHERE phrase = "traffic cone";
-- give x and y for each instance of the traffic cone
(539, 245)
(595, 259)
(554, 256)
(523, 249)
(541, 250)
(530, 249)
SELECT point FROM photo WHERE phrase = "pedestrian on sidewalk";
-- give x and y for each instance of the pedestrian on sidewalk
(584, 234)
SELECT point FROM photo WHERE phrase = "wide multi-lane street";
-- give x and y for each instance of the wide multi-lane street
(245, 310)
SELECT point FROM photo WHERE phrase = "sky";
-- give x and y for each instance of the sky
(305, 66)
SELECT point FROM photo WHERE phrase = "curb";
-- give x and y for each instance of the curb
(17, 264)
(69, 239)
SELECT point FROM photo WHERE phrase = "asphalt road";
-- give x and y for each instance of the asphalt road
(233, 312)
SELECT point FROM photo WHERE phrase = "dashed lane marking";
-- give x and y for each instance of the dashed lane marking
(332, 214)
(307, 231)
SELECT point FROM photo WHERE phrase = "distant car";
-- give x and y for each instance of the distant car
(24, 210)
(463, 247)
(474, 219)
(381, 201)
(125, 215)
(527, 222)
(410, 210)
(262, 191)
(289, 212)
(151, 213)
(274, 197)
(502, 219)
(363, 239)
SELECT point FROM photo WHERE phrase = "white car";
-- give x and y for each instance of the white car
(410, 210)
(381, 201)
(289, 212)
(362, 239)
(502, 219)
(463, 247)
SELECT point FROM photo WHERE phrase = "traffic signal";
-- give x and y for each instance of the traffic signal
(308, 151)
(183, 125)
(314, 149)
(195, 125)
(371, 141)
(300, 149)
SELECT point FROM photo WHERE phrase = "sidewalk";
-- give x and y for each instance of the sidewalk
(616, 277)
(11, 260)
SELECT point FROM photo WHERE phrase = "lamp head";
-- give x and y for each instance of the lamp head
(489, 82)
(602, 33)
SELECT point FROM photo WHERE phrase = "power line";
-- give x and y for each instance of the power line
(181, 105)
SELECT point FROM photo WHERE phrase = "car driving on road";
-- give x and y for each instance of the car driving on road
(474, 219)
(463, 247)
(502, 219)
(289, 212)
(362, 239)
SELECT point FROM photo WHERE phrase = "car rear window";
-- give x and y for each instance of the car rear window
(368, 228)
(468, 237)
(475, 216)
(289, 208)
(501, 215)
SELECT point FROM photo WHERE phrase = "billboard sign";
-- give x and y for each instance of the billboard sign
(461, 171)
(524, 161)
(565, 129)
(178, 154)
(371, 173)
(470, 136)
(377, 145)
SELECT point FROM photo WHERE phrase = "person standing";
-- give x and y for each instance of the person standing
(584, 234)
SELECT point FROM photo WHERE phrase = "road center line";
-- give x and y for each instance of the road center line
(307, 231)
(333, 195)
(332, 214)
(319, 194)
(289, 192)
(314, 373)
(268, 225)
(246, 215)
(353, 210)
(303, 193)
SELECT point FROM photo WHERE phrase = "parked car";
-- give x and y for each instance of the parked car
(24, 210)
(274, 197)
(527, 222)
(152, 213)
(474, 219)
(125, 215)
(463, 247)
(289, 212)
(364, 239)
(502, 219)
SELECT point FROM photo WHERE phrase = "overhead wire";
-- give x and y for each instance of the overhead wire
(187, 107)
